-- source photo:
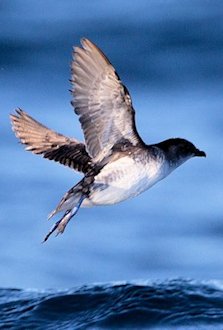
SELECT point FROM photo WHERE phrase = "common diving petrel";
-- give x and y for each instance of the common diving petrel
(116, 163)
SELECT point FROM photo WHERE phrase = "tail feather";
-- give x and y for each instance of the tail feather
(69, 200)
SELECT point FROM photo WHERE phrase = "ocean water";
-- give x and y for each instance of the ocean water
(176, 304)
(169, 55)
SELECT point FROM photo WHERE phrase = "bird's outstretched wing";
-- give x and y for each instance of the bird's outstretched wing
(102, 102)
(41, 140)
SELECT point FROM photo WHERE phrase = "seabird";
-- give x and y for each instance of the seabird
(116, 163)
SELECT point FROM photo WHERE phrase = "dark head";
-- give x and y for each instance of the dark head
(178, 150)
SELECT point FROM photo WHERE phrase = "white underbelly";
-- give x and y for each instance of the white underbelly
(123, 179)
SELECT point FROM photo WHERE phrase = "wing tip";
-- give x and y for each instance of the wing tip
(84, 42)
(15, 119)
(87, 44)
(18, 115)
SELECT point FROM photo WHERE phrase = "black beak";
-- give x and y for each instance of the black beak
(200, 153)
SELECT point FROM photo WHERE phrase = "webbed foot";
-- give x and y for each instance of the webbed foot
(62, 223)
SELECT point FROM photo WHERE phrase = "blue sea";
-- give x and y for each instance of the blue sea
(152, 262)
(175, 304)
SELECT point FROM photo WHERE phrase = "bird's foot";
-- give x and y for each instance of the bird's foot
(60, 225)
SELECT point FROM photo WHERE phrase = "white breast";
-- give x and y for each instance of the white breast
(123, 179)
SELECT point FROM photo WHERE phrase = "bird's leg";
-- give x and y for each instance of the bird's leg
(61, 224)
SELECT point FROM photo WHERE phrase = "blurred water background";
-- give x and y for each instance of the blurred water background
(169, 55)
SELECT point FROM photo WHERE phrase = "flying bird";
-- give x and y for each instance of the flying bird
(116, 163)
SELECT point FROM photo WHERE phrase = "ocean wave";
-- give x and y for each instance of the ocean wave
(169, 304)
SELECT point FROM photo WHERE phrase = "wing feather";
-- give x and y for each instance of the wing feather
(43, 141)
(102, 102)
